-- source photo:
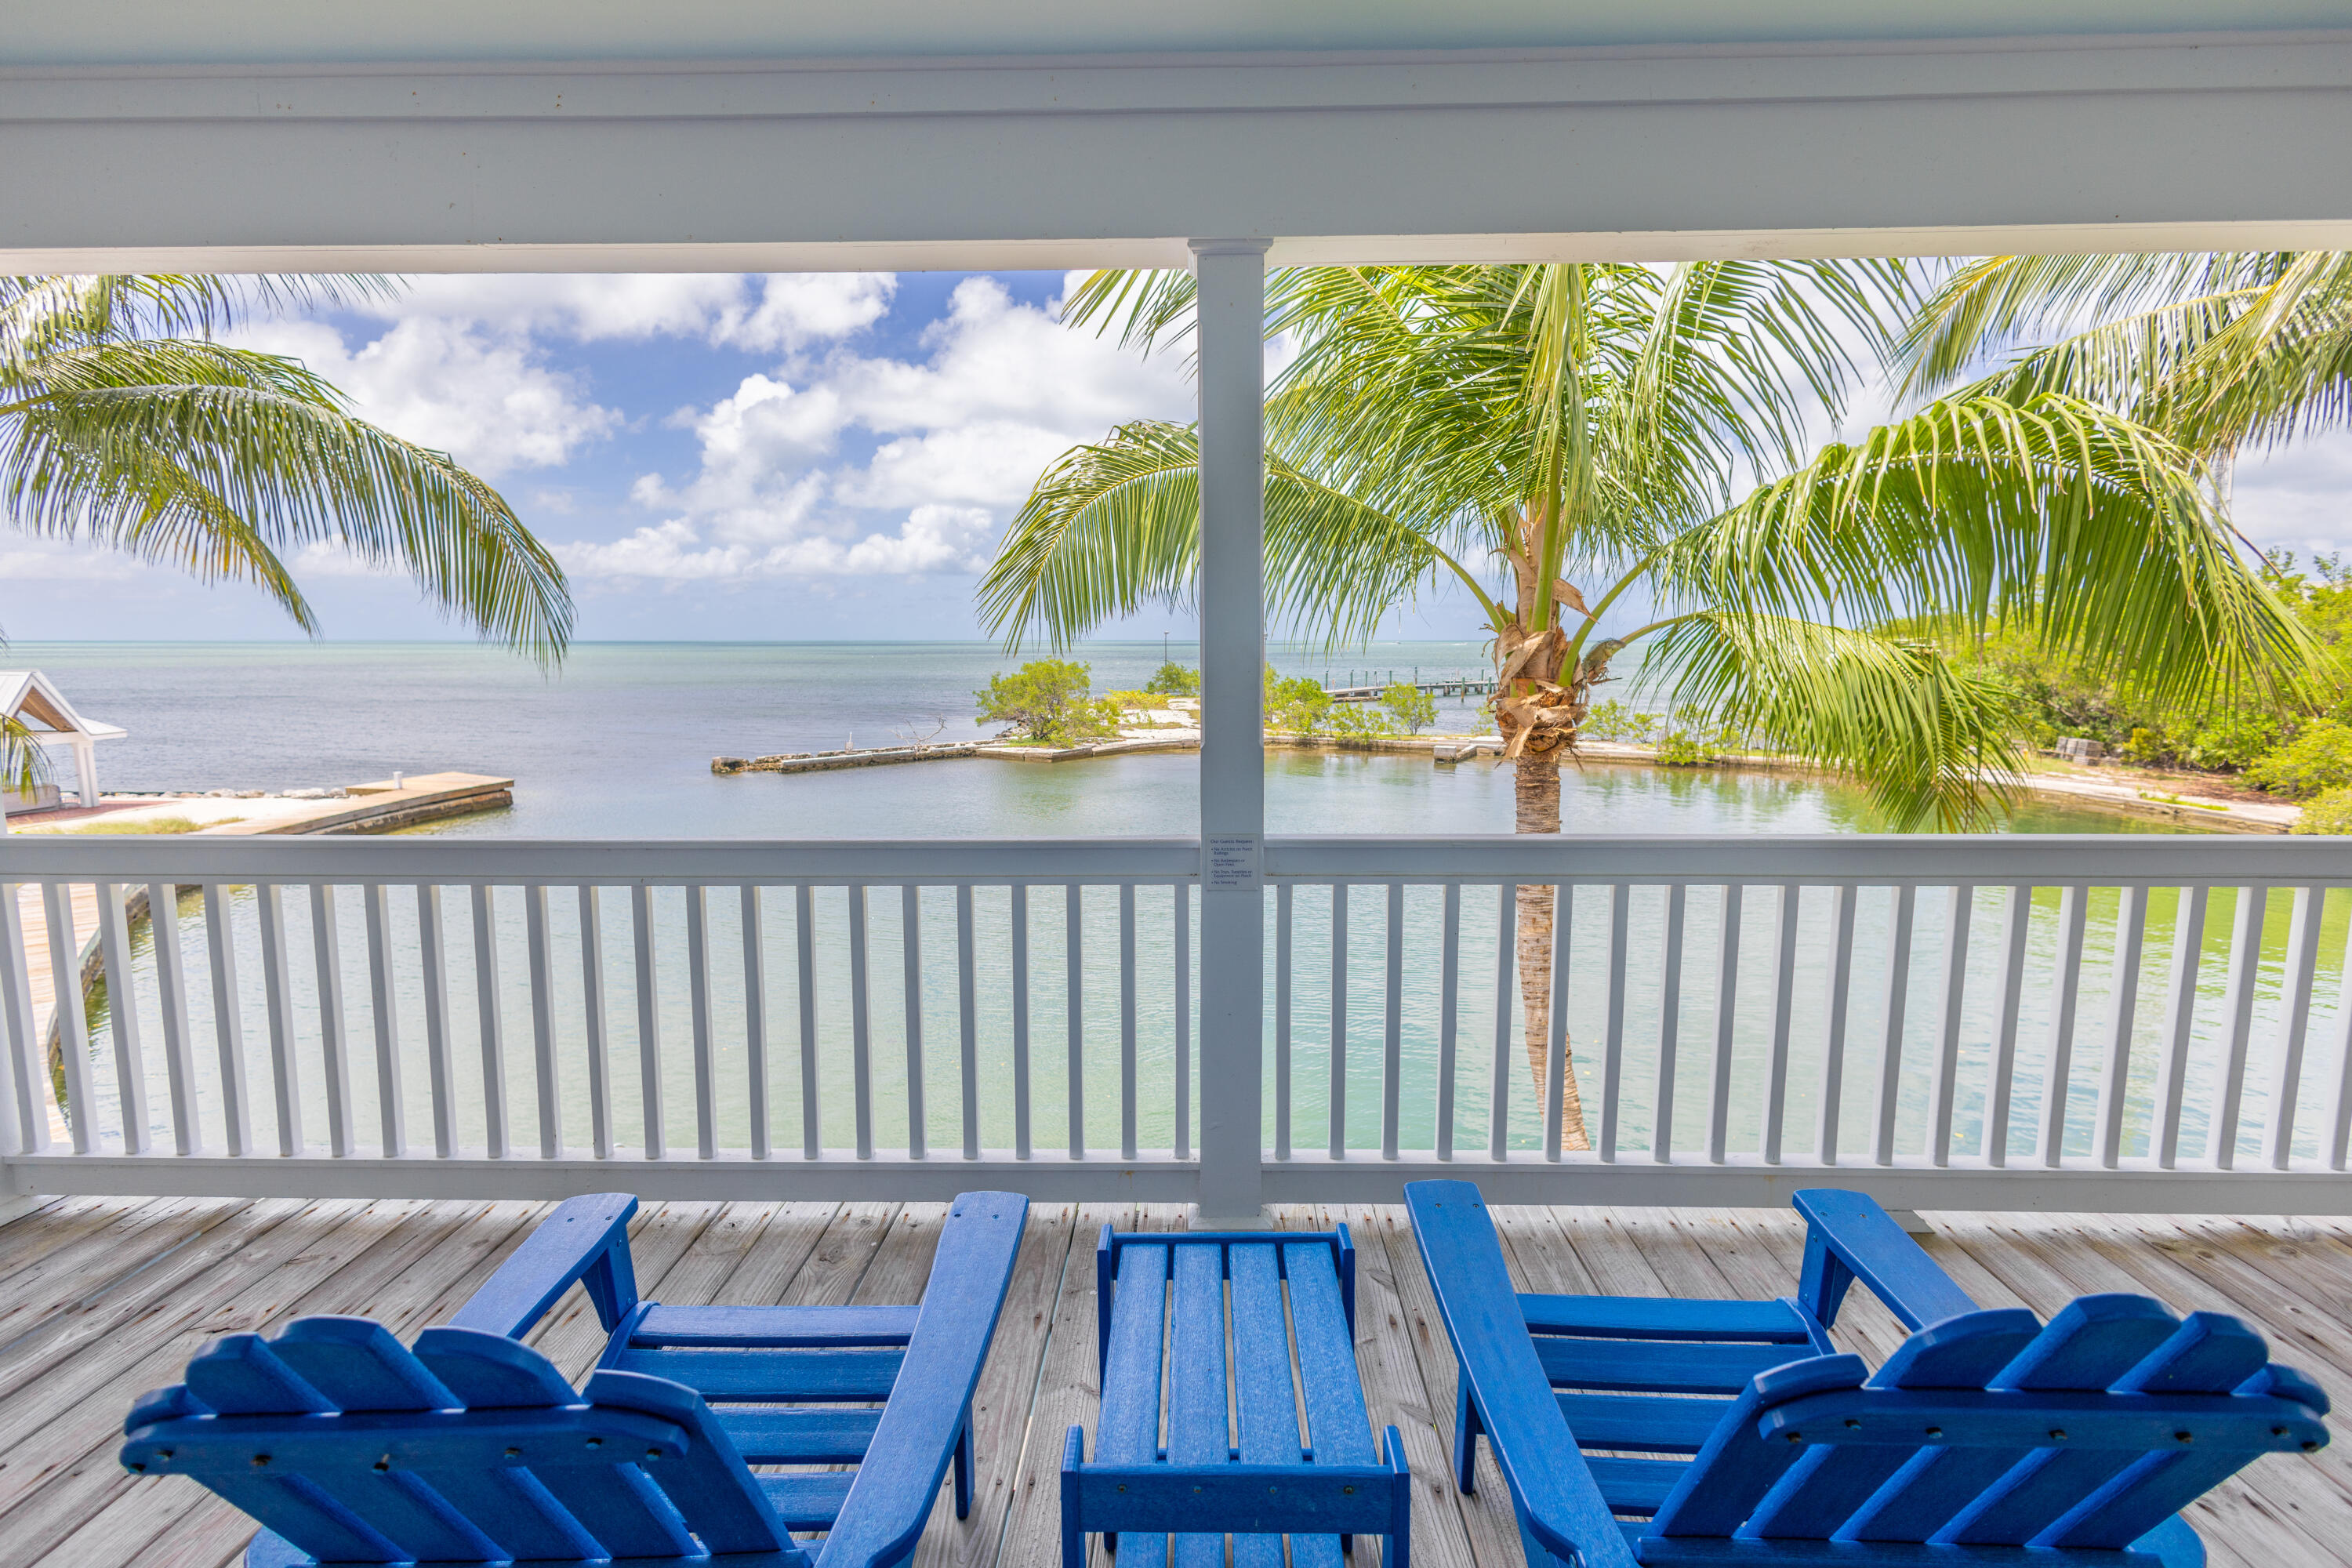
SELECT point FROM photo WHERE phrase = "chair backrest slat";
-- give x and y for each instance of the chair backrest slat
(472, 1448)
(2208, 1353)
(356, 1365)
(1739, 1466)
(616, 1505)
(2160, 1411)
(709, 1485)
(1833, 1481)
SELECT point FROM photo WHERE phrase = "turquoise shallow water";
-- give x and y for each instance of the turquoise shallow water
(618, 746)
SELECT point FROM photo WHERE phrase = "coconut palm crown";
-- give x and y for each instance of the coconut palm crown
(1561, 440)
(125, 423)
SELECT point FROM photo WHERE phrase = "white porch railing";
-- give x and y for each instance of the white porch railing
(2116, 1023)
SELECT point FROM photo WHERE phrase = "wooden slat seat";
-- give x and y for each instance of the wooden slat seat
(1234, 1461)
(1989, 1438)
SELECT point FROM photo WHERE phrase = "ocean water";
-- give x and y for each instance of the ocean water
(618, 745)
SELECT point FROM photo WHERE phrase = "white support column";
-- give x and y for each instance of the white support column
(1232, 379)
(85, 755)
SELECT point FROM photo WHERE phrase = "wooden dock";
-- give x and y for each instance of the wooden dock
(103, 1297)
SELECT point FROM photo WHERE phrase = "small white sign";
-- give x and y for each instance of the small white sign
(1232, 863)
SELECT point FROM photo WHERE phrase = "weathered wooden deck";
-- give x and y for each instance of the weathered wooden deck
(102, 1298)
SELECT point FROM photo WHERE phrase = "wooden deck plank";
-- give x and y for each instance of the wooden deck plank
(415, 1276)
(1007, 1395)
(1484, 1513)
(102, 1298)
(103, 1258)
(2276, 1499)
(381, 1274)
(64, 1221)
(1396, 1392)
(1069, 1392)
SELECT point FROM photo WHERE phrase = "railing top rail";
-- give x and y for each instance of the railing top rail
(1936, 860)
(189, 858)
(1929, 860)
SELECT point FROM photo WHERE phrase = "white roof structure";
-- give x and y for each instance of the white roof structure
(34, 699)
(601, 135)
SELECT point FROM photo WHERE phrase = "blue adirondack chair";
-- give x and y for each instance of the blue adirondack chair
(1988, 1439)
(472, 1447)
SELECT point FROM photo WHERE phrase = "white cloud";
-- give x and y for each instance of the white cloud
(492, 403)
(1002, 390)
(932, 538)
(2300, 497)
(462, 366)
(782, 311)
(66, 563)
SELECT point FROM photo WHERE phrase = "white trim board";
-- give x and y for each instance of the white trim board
(1650, 154)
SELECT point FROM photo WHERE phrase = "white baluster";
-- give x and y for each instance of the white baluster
(1393, 1037)
(179, 1041)
(1843, 897)
(123, 1007)
(392, 1112)
(327, 939)
(2057, 1072)
(1727, 995)
(1894, 1002)
(2123, 1001)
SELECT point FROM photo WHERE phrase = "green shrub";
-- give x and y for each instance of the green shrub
(2318, 758)
(1613, 720)
(1173, 679)
(1410, 708)
(1359, 721)
(1689, 741)
(1046, 700)
(2329, 811)
(1295, 702)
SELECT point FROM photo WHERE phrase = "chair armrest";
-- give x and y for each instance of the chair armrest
(1847, 1237)
(890, 1501)
(586, 1240)
(1558, 1503)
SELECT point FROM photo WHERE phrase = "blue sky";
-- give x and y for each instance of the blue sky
(723, 457)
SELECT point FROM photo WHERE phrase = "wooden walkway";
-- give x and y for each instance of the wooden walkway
(103, 1297)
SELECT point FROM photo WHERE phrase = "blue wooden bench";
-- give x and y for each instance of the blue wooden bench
(472, 1447)
(1671, 1431)
(1236, 1464)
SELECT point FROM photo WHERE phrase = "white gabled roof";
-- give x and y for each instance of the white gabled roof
(29, 695)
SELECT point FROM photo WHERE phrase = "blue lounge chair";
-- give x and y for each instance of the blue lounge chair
(1988, 1439)
(472, 1447)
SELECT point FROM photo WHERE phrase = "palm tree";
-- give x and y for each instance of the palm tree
(124, 423)
(1559, 440)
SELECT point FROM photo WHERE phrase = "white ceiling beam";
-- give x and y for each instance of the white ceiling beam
(1649, 153)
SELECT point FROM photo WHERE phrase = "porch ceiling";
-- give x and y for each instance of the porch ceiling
(723, 135)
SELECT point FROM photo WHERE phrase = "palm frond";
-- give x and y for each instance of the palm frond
(24, 766)
(1934, 742)
(2091, 530)
(1116, 525)
(1989, 308)
(221, 474)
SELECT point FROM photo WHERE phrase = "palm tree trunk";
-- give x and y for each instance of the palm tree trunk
(1537, 791)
